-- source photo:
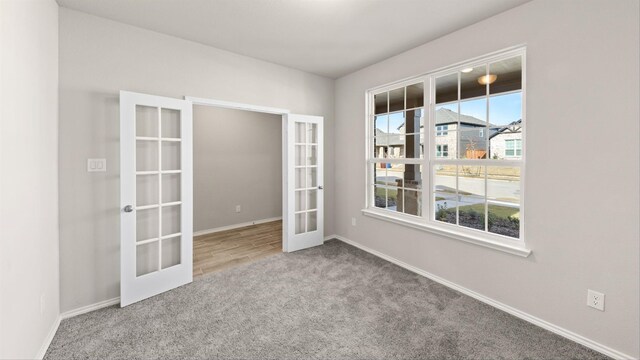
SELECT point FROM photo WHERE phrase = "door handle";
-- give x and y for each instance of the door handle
(320, 187)
(128, 208)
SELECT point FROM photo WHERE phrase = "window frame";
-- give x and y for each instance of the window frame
(427, 220)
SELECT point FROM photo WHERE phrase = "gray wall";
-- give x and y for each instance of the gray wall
(98, 58)
(581, 192)
(29, 290)
(237, 160)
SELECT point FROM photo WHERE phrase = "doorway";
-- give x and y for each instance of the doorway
(156, 182)
(237, 187)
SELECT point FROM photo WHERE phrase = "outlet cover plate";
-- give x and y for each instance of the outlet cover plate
(96, 165)
(595, 300)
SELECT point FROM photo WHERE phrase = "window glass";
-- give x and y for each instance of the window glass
(474, 141)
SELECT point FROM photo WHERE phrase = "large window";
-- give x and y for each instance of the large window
(469, 179)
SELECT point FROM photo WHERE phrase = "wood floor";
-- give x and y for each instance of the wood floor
(226, 249)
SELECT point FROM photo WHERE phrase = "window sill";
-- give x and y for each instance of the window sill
(477, 240)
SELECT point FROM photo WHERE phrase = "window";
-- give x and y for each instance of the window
(513, 148)
(396, 170)
(441, 130)
(442, 151)
(468, 181)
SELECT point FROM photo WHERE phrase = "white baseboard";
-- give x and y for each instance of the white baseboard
(89, 308)
(235, 226)
(506, 308)
(49, 338)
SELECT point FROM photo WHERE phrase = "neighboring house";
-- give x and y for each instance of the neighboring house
(471, 129)
(506, 142)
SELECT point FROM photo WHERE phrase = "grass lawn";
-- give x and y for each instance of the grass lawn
(499, 211)
(392, 192)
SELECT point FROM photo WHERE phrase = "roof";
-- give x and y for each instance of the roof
(503, 129)
(389, 140)
(446, 116)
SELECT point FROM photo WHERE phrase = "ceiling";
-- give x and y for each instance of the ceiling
(326, 37)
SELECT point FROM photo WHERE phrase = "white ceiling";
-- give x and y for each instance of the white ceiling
(326, 37)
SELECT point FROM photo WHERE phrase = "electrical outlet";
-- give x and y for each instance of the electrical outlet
(96, 165)
(353, 221)
(595, 299)
(238, 208)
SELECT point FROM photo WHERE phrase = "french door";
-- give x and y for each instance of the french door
(155, 195)
(303, 216)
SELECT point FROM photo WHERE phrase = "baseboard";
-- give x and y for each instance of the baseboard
(506, 308)
(235, 226)
(89, 308)
(49, 338)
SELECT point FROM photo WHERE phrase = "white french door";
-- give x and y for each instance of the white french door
(303, 203)
(155, 195)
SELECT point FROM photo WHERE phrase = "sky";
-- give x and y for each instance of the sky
(503, 109)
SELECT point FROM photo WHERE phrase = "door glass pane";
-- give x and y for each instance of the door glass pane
(503, 198)
(300, 223)
(301, 155)
(170, 123)
(147, 258)
(471, 201)
(313, 133)
(170, 155)
(170, 252)
(170, 188)
(312, 221)
(147, 156)
(300, 178)
(147, 224)
(301, 132)
(312, 177)
(312, 155)
(170, 220)
(146, 190)
(146, 121)
(445, 199)
(300, 200)
(312, 199)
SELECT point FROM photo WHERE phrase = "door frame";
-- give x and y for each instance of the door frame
(267, 110)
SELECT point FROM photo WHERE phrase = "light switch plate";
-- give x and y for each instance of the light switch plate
(96, 165)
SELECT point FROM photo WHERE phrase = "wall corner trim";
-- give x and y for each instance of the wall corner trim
(591, 344)
(89, 308)
(49, 338)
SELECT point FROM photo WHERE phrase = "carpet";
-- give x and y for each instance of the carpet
(329, 302)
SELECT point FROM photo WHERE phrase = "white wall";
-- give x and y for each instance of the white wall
(98, 58)
(28, 176)
(237, 160)
(582, 200)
